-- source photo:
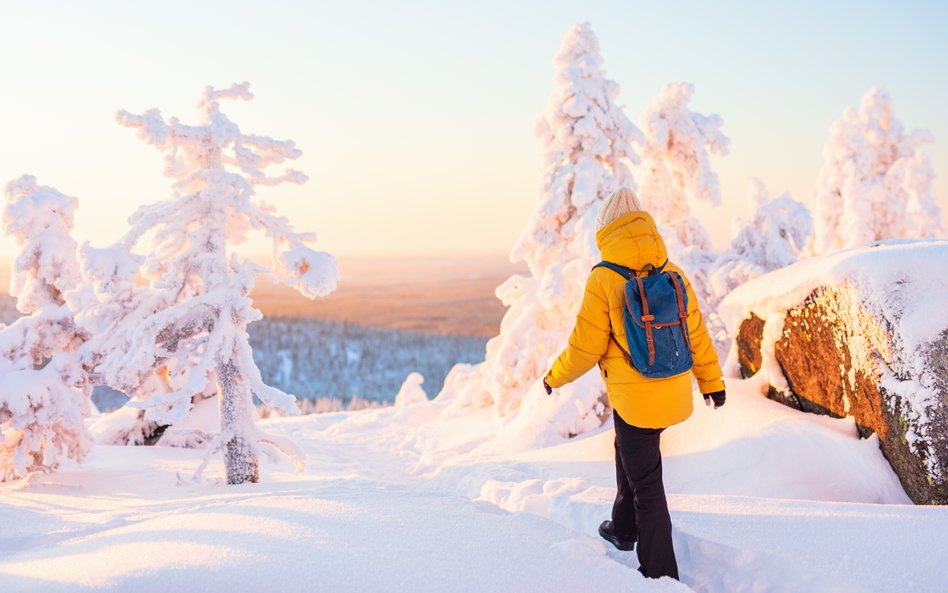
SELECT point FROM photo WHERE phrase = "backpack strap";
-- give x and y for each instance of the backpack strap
(682, 312)
(627, 273)
(626, 355)
(647, 319)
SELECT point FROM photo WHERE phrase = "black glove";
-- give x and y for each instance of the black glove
(719, 398)
(549, 390)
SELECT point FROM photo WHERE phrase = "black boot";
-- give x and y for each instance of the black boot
(607, 533)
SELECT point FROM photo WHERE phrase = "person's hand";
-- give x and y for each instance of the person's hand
(549, 390)
(719, 397)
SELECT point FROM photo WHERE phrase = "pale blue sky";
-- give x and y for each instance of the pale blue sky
(416, 117)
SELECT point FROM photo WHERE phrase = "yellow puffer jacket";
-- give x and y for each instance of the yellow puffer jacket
(633, 241)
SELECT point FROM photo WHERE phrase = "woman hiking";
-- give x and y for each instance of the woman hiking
(642, 407)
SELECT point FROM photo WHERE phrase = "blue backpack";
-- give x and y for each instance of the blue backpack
(656, 320)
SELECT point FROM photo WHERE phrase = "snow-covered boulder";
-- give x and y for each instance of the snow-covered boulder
(860, 333)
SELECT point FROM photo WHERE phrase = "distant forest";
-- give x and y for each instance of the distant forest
(321, 359)
(335, 362)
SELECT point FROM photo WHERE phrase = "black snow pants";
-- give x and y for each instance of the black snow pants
(640, 510)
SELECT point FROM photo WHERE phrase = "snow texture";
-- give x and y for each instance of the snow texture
(124, 426)
(185, 333)
(44, 388)
(763, 499)
(875, 183)
(587, 146)
(892, 292)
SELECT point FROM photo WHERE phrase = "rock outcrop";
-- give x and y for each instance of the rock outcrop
(846, 336)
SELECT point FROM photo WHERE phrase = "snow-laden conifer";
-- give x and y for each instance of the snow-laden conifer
(676, 172)
(587, 146)
(875, 183)
(676, 164)
(185, 333)
(44, 389)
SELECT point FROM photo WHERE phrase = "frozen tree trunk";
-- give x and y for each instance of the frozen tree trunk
(240, 455)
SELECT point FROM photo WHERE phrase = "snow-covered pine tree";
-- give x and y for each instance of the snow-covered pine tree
(44, 389)
(587, 146)
(586, 140)
(676, 164)
(186, 331)
(875, 182)
(774, 237)
(676, 171)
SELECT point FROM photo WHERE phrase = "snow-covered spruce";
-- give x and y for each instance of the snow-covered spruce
(775, 236)
(875, 183)
(44, 389)
(587, 145)
(674, 173)
(185, 333)
(676, 164)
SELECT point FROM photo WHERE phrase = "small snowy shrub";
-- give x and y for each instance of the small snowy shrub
(411, 392)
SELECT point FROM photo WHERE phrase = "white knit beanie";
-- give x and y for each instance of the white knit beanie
(621, 202)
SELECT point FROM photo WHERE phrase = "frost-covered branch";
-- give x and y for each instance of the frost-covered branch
(40, 219)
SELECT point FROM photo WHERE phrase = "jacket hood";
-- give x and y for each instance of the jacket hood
(632, 240)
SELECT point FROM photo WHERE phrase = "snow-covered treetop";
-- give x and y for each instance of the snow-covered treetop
(587, 145)
(677, 168)
(216, 143)
(875, 182)
(216, 154)
(40, 218)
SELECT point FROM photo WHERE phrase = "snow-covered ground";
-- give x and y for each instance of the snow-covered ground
(424, 498)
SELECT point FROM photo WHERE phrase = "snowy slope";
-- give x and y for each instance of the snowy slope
(425, 498)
